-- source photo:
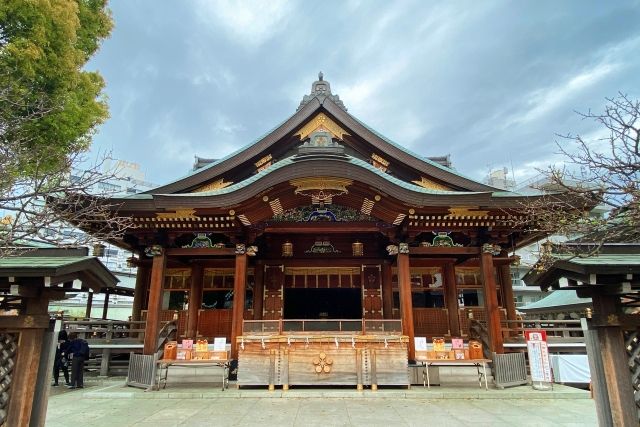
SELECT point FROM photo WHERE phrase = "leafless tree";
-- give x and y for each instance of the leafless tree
(41, 199)
(604, 171)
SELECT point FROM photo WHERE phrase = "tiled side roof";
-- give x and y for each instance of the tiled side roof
(40, 262)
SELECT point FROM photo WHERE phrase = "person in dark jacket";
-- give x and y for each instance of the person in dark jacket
(77, 361)
(61, 360)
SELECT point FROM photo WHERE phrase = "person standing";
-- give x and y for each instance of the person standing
(78, 348)
(61, 359)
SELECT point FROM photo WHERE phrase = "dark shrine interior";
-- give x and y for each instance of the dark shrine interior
(322, 304)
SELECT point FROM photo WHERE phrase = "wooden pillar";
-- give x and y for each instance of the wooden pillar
(152, 326)
(387, 291)
(406, 304)
(23, 385)
(142, 280)
(451, 297)
(105, 307)
(239, 289)
(258, 290)
(614, 360)
(506, 285)
(491, 302)
(195, 300)
(25, 372)
(87, 313)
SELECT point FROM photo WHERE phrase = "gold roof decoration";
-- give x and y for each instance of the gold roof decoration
(430, 184)
(321, 189)
(215, 185)
(379, 162)
(264, 162)
(466, 211)
(179, 213)
(322, 123)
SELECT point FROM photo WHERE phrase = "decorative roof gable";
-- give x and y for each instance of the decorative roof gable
(323, 112)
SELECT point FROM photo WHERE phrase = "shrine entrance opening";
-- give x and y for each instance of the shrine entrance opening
(322, 304)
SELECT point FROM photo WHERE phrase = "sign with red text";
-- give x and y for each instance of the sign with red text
(538, 355)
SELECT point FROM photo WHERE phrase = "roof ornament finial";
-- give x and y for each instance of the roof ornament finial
(321, 89)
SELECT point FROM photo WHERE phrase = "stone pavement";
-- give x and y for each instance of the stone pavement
(111, 404)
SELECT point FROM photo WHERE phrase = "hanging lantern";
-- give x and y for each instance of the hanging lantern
(515, 261)
(132, 262)
(287, 249)
(358, 248)
(98, 250)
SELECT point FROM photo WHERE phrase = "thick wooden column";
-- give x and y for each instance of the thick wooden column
(506, 286)
(142, 280)
(87, 312)
(105, 307)
(406, 304)
(491, 302)
(258, 290)
(451, 297)
(25, 373)
(614, 360)
(195, 300)
(387, 291)
(239, 289)
(155, 304)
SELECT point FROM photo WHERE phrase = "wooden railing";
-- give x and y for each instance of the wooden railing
(108, 338)
(337, 326)
(566, 329)
(563, 336)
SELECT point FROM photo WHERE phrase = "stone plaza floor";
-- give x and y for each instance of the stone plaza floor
(110, 403)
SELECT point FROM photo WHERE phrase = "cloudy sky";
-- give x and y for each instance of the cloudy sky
(490, 82)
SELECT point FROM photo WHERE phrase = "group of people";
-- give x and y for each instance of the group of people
(71, 350)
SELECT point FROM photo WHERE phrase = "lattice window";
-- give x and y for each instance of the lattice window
(431, 321)
(8, 350)
(632, 345)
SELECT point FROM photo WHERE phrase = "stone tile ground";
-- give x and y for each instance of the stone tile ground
(112, 404)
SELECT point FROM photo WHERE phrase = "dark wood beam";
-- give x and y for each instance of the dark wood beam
(38, 321)
(200, 252)
(323, 228)
(445, 250)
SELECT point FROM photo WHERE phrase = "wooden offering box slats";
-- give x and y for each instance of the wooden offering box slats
(322, 358)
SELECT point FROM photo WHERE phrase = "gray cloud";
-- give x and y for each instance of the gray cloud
(491, 83)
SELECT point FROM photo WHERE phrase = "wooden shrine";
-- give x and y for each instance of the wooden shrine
(323, 219)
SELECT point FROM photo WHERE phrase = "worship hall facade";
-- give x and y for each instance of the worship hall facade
(323, 219)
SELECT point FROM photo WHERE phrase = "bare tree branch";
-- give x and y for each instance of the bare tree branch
(603, 171)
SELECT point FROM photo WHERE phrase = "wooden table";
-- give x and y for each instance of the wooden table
(451, 362)
(164, 364)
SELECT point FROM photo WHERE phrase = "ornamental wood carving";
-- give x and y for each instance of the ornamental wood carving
(466, 211)
(212, 186)
(321, 123)
(178, 214)
(430, 184)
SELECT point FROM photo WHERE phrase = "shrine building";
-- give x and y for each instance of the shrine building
(323, 219)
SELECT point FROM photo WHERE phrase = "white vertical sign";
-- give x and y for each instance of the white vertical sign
(538, 356)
